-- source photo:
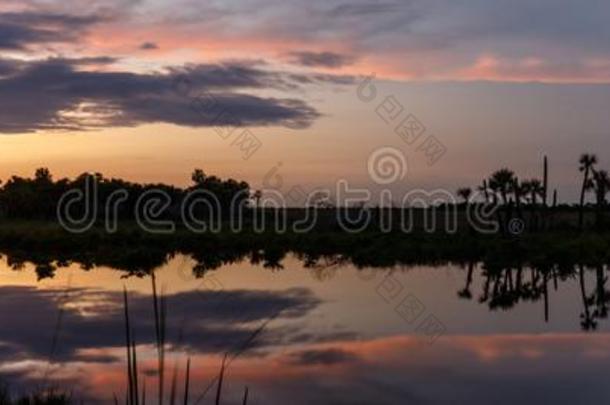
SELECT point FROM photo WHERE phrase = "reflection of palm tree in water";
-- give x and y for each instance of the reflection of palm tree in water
(465, 292)
(601, 297)
(504, 287)
(505, 292)
(485, 296)
(587, 321)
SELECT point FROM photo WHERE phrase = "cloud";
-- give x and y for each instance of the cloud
(8, 67)
(324, 357)
(61, 94)
(148, 46)
(363, 9)
(321, 59)
(19, 30)
(489, 67)
(415, 39)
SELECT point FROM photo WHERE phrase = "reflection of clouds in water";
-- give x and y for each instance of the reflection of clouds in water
(214, 320)
(339, 367)
(553, 368)
(324, 357)
(90, 340)
(300, 358)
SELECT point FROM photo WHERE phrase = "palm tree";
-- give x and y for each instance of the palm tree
(601, 181)
(536, 189)
(533, 189)
(493, 187)
(485, 190)
(502, 180)
(519, 190)
(526, 188)
(587, 161)
(600, 185)
(465, 194)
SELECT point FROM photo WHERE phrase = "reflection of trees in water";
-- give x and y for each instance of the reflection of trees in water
(595, 304)
(510, 273)
(323, 268)
(504, 287)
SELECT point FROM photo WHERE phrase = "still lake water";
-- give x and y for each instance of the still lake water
(333, 334)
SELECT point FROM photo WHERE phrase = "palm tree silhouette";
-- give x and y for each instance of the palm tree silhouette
(535, 189)
(601, 295)
(519, 190)
(465, 292)
(501, 180)
(587, 321)
(587, 161)
(600, 185)
(485, 190)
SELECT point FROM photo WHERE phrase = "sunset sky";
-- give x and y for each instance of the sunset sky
(113, 86)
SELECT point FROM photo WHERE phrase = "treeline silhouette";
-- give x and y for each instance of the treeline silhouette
(530, 200)
(509, 197)
(38, 197)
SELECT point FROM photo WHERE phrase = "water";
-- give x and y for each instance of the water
(332, 334)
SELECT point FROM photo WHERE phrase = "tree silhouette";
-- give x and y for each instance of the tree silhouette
(464, 193)
(502, 181)
(38, 197)
(600, 185)
(587, 161)
(198, 176)
(534, 188)
(485, 190)
(256, 196)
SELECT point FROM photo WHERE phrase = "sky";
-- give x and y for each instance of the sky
(297, 95)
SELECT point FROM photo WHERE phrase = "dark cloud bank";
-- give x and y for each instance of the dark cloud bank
(19, 30)
(59, 94)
